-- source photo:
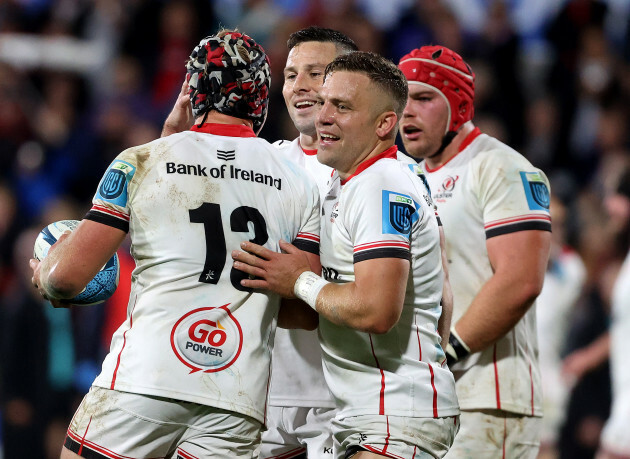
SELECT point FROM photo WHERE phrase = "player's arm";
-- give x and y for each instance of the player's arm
(295, 313)
(75, 259)
(519, 261)
(181, 117)
(372, 303)
(444, 324)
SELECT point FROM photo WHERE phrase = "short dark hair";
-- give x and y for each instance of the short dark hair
(383, 72)
(343, 43)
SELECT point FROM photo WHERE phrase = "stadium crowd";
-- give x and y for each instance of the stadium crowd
(81, 81)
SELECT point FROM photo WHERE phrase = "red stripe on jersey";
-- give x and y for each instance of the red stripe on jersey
(374, 245)
(185, 455)
(309, 236)
(521, 218)
(415, 322)
(112, 212)
(435, 410)
(381, 401)
(496, 377)
(123, 346)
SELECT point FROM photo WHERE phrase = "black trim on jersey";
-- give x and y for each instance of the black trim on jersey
(307, 246)
(86, 452)
(383, 252)
(352, 450)
(515, 227)
(439, 220)
(105, 219)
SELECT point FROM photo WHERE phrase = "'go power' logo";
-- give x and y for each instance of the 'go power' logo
(207, 339)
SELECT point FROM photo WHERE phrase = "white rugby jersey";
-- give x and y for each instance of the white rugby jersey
(486, 190)
(615, 436)
(297, 378)
(382, 212)
(192, 332)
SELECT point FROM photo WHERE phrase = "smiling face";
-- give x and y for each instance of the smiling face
(303, 79)
(424, 120)
(350, 115)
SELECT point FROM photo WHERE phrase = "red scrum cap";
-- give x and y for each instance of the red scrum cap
(446, 72)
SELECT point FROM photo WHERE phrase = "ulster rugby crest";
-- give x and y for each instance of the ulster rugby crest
(207, 339)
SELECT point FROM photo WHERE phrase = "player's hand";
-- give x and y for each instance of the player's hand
(273, 271)
(36, 267)
(181, 117)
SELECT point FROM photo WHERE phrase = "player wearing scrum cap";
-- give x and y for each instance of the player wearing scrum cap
(188, 372)
(495, 209)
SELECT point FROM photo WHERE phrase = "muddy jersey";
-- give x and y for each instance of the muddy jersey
(487, 190)
(381, 212)
(192, 332)
(297, 378)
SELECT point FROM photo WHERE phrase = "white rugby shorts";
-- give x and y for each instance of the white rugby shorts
(294, 432)
(394, 436)
(113, 424)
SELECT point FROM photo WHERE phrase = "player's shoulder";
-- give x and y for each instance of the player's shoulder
(494, 157)
(489, 149)
(385, 173)
(146, 153)
(284, 144)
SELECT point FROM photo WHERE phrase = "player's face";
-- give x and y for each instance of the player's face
(303, 78)
(347, 120)
(423, 123)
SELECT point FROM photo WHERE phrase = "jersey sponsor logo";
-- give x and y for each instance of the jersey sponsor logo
(399, 212)
(536, 190)
(330, 274)
(113, 186)
(223, 172)
(207, 339)
(334, 213)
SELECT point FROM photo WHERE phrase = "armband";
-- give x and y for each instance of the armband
(307, 287)
(456, 349)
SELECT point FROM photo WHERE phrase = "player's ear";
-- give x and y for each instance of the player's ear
(386, 124)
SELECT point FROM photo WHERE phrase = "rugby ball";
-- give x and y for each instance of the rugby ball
(98, 289)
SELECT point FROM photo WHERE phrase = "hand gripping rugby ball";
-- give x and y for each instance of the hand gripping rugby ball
(98, 289)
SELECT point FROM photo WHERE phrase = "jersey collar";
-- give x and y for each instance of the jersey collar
(472, 135)
(227, 130)
(391, 152)
(307, 151)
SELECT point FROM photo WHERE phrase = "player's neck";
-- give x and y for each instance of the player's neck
(220, 118)
(380, 147)
(452, 149)
(308, 142)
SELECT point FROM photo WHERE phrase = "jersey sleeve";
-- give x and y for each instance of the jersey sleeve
(379, 214)
(513, 194)
(307, 238)
(110, 205)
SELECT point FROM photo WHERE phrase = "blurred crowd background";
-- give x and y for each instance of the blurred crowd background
(81, 80)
